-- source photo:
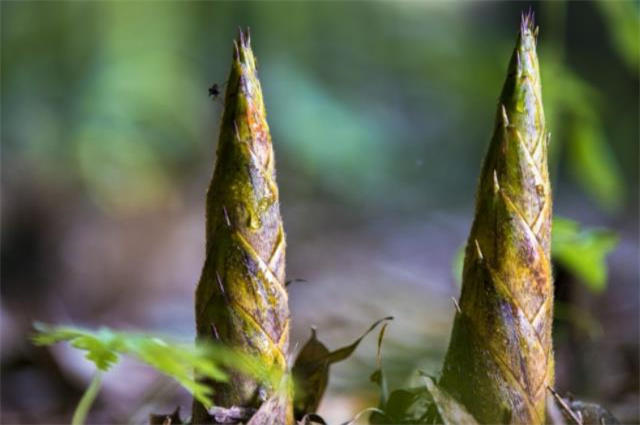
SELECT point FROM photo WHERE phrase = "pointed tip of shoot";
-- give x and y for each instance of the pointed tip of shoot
(523, 69)
(527, 21)
(528, 34)
(528, 30)
(242, 47)
(244, 37)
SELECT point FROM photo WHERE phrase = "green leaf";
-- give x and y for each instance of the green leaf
(583, 251)
(177, 360)
(405, 406)
(311, 370)
(451, 412)
(102, 347)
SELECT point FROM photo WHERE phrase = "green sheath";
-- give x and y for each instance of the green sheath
(241, 299)
(500, 357)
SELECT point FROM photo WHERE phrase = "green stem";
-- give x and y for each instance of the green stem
(89, 396)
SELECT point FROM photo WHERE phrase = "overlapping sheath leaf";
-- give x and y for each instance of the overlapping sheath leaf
(241, 300)
(500, 357)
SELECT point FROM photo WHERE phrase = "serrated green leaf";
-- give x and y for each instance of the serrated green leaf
(177, 360)
(102, 346)
(583, 251)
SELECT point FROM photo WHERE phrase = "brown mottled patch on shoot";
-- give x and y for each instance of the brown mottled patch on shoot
(241, 300)
(500, 358)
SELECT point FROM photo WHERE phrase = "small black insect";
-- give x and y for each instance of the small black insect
(214, 91)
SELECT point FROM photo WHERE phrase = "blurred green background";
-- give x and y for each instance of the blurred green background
(380, 115)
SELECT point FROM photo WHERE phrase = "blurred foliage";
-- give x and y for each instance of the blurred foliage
(184, 362)
(580, 318)
(594, 165)
(111, 96)
(623, 22)
(181, 361)
(583, 251)
(569, 98)
(104, 346)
